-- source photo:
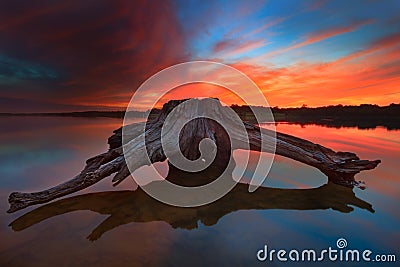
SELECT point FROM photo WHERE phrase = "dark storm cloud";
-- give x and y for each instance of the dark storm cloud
(85, 52)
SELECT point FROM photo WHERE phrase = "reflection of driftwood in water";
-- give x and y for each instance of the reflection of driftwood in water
(136, 206)
(340, 167)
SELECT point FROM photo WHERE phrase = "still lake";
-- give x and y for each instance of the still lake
(297, 211)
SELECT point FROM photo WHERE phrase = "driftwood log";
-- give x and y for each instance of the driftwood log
(340, 167)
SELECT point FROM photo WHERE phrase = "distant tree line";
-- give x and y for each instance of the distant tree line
(363, 116)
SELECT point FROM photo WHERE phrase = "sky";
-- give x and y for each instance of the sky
(93, 55)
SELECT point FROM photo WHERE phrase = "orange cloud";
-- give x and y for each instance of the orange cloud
(367, 76)
(199, 90)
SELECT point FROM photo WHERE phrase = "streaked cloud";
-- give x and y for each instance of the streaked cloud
(232, 47)
(319, 36)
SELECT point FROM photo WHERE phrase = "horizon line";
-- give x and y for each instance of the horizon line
(304, 106)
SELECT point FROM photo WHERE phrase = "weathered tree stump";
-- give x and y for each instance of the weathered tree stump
(340, 167)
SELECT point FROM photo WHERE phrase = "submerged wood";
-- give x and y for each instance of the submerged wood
(340, 167)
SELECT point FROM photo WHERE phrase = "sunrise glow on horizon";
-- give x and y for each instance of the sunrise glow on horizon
(84, 55)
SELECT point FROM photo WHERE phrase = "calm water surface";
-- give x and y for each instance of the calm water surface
(122, 227)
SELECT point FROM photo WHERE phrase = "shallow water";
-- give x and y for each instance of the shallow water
(295, 209)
